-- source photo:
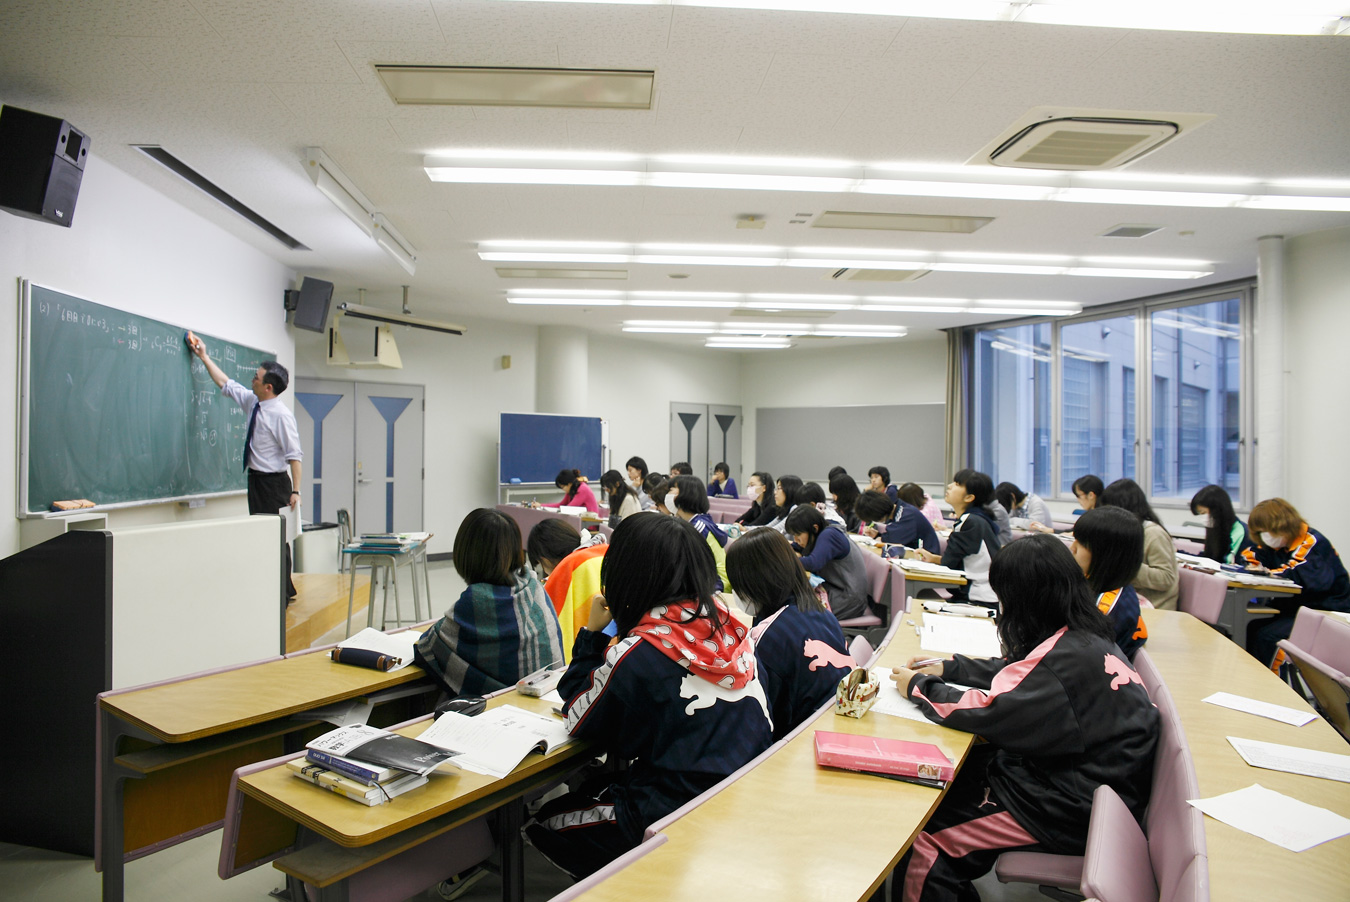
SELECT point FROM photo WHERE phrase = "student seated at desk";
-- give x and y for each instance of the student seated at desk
(1025, 509)
(637, 475)
(879, 480)
(1288, 547)
(896, 523)
(759, 490)
(1158, 578)
(623, 501)
(722, 485)
(682, 468)
(844, 492)
(1088, 489)
(799, 646)
(657, 487)
(690, 500)
(502, 627)
(785, 493)
(569, 565)
(678, 698)
(830, 554)
(811, 493)
(1057, 720)
(1225, 534)
(1108, 544)
(913, 494)
(973, 543)
(576, 493)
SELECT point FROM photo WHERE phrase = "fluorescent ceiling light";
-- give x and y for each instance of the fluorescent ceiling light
(613, 89)
(522, 272)
(756, 302)
(799, 258)
(747, 345)
(688, 304)
(1249, 17)
(394, 244)
(342, 191)
(749, 173)
(567, 302)
(669, 330)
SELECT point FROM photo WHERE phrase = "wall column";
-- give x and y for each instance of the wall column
(562, 371)
(1270, 368)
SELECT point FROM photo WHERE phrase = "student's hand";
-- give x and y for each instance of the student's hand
(600, 616)
(930, 557)
(870, 532)
(1040, 527)
(930, 669)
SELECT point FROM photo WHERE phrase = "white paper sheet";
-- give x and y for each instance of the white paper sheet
(341, 714)
(399, 645)
(1291, 716)
(292, 517)
(916, 566)
(890, 701)
(1274, 817)
(959, 635)
(1292, 759)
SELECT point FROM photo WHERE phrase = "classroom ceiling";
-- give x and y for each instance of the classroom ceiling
(238, 89)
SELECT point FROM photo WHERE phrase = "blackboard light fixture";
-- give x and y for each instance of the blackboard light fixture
(334, 184)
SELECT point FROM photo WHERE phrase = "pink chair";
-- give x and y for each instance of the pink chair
(878, 576)
(1116, 866)
(862, 652)
(1319, 646)
(1202, 595)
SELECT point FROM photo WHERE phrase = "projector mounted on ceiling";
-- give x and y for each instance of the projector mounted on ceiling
(1060, 139)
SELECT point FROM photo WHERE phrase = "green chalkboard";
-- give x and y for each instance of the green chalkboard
(117, 410)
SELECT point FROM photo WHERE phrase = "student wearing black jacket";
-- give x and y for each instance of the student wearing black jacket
(974, 539)
(1063, 713)
(760, 492)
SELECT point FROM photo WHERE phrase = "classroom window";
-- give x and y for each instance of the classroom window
(1051, 401)
(1012, 436)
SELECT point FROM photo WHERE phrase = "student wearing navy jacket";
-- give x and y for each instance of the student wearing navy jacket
(879, 480)
(799, 646)
(722, 484)
(903, 524)
(678, 698)
(1287, 546)
(1108, 544)
(1062, 713)
(828, 552)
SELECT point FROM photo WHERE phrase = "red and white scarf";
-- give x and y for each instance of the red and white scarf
(723, 656)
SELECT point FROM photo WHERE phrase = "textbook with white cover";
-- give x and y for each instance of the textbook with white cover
(494, 742)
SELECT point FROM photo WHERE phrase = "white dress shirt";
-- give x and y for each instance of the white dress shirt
(276, 439)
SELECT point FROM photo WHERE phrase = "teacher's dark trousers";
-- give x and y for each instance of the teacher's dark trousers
(267, 494)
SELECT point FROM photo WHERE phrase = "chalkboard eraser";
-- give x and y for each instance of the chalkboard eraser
(72, 505)
(515, 480)
(194, 502)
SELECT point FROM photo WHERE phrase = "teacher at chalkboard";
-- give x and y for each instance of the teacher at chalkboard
(273, 442)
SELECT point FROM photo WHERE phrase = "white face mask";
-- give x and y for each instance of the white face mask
(1271, 541)
(755, 491)
(1209, 521)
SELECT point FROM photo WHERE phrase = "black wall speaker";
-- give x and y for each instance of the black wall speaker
(41, 164)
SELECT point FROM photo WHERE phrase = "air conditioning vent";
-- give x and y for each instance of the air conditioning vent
(877, 275)
(1064, 139)
(1131, 231)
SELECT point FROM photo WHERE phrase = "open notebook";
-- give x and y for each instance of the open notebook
(494, 742)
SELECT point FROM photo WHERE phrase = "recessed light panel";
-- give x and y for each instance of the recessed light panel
(607, 89)
(900, 222)
(506, 272)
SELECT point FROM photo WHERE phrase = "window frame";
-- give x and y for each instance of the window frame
(1142, 309)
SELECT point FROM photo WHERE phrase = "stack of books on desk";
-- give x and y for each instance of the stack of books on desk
(368, 765)
(388, 541)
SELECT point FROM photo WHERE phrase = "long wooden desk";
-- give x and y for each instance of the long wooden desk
(792, 830)
(1195, 662)
(166, 752)
(449, 800)
(1238, 611)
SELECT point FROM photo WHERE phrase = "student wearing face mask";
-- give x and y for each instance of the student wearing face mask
(1225, 535)
(760, 492)
(1288, 547)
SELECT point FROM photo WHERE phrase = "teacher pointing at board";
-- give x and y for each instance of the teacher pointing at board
(273, 443)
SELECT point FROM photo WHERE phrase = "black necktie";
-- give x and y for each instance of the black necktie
(248, 439)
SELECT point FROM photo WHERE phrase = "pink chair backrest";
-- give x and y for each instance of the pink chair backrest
(1330, 642)
(878, 576)
(1116, 865)
(1201, 594)
(1176, 830)
(861, 650)
(1320, 648)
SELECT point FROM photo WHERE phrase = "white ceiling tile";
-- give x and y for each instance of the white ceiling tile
(274, 58)
(436, 133)
(307, 20)
(703, 30)
(655, 138)
(534, 52)
(508, 23)
(747, 110)
(81, 17)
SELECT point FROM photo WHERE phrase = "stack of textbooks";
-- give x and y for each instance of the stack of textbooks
(368, 765)
(388, 541)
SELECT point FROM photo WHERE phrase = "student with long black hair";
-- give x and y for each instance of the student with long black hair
(1025, 509)
(576, 492)
(1158, 578)
(785, 499)
(678, 698)
(800, 648)
(1062, 713)
(622, 499)
(759, 490)
(828, 553)
(845, 493)
(1108, 544)
(637, 475)
(1225, 534)
(1088, 490)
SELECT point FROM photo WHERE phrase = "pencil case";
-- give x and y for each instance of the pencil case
(363, 657)
(856, 693)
